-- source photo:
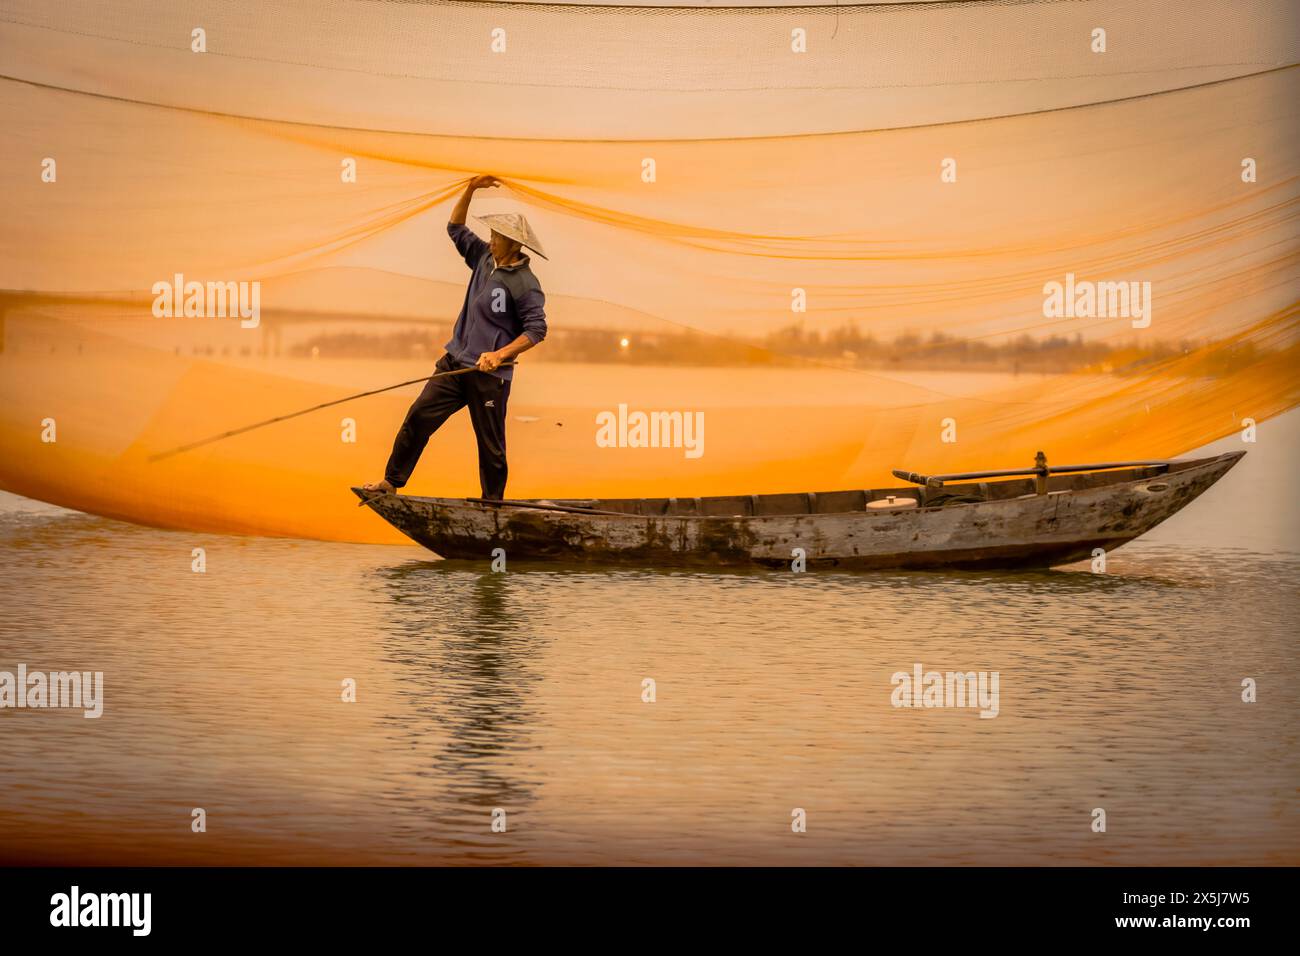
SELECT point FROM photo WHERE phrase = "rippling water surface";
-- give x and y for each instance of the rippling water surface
(523, 691)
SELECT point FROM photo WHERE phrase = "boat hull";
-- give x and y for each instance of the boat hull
(1020, 532)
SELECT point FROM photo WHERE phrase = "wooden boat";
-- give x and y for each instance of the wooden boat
(980, 520)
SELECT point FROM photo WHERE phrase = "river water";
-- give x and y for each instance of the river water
(523, 693)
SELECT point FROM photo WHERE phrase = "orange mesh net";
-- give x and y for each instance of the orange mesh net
(841, 256)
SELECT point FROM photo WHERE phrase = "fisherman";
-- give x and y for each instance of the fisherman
(502, 318)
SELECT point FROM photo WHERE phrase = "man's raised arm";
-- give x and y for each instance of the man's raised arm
(470, 246)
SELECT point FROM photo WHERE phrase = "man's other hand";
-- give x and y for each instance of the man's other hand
(484, 182)
(489, 361)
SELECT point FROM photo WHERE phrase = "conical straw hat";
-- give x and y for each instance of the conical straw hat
(514, 226)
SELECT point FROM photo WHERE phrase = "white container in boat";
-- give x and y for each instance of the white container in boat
(891, 502)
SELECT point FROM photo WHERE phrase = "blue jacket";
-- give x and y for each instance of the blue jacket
(501, 303)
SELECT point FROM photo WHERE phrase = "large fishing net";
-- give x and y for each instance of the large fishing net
(832, 230)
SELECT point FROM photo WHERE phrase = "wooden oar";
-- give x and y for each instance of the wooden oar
(373, 497)
(314, 408)
(508, 503)
(916, 479)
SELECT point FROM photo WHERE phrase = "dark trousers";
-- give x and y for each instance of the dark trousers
(485, 396)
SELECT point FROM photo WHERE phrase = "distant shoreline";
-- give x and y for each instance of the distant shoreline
(793, 348)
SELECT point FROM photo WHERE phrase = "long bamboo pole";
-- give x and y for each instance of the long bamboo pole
(315, 408)
(917, 479)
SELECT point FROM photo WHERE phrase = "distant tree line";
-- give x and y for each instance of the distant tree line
(795, 346)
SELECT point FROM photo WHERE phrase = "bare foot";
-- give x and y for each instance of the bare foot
(381, 487)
